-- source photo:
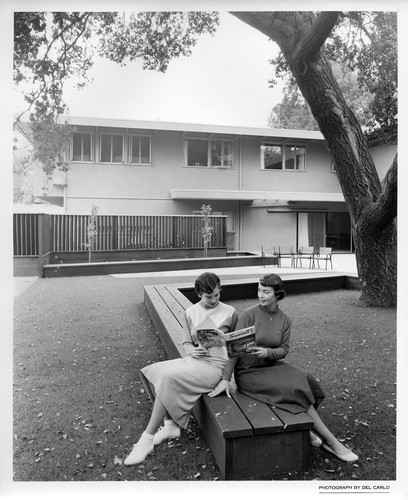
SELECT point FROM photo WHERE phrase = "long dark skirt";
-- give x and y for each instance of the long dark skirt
(280, 384)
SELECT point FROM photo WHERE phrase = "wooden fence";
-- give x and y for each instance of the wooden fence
(25, 234)
(41, 233)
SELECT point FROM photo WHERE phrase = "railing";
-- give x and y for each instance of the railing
(25, 234)
(65, 233)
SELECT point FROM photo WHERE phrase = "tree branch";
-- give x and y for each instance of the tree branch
(389, 194)
(380, 214)
(310, 44)
(258, 20)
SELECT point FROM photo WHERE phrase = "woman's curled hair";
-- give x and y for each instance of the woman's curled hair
(206, 283)
(274, 281)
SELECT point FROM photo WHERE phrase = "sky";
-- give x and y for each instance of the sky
(223, 82)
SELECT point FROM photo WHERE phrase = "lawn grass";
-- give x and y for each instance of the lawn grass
(79, 404)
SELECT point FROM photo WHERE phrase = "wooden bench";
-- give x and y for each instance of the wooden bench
(249, 439)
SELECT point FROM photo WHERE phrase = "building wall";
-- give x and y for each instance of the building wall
(131, 189)
(266, 229)
(383, 157)
(317, 177)
(121, 188)
(145, 189)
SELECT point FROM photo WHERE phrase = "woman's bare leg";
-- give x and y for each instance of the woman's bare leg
(325, 434)
(159, 412)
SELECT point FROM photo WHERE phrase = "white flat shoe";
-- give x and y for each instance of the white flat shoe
(166, 432)
(315, 440)
(346, 457)
(138, 454)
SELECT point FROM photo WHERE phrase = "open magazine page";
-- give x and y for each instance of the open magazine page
(212, 339)
(236, 343)
(240, 341)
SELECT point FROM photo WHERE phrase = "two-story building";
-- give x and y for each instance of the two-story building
(277, 187)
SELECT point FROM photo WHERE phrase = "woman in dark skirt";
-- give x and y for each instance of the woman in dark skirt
(265, 376)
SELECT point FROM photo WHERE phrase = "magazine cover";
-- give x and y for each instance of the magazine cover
(240, 341)
(237, 342)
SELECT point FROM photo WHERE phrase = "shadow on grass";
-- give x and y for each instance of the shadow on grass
(79, 405)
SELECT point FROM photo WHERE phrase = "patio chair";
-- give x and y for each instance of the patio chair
(324, 253)
(286, 252)
(267, 252)
(305, 253)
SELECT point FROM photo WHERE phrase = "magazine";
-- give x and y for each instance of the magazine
(237, 343)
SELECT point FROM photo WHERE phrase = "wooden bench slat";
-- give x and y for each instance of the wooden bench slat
(167, 325)
(172, 304)
(261, 417)
(179, 296)
(228, 415)
(293, 421)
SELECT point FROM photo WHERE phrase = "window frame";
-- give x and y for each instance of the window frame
(92, 147)
(130, 149)
(111, 135)
(209, 152)
(284, 156)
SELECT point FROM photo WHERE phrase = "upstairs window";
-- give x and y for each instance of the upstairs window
(295, 158)
(82, 146)
(139, 149)
(111, 148)
(208, 153)
(221, 153)
(283, 157)
(272, 157)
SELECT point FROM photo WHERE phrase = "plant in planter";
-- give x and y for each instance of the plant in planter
(91, 231)
(207, 229)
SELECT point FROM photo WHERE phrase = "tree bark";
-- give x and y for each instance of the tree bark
(371, 205)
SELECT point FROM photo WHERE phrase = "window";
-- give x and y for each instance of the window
(294, 158)
(272, 157)
(82, 147)
(139, 149)
(111, 148)
(221, 153)
(208, 153)
(283, 157)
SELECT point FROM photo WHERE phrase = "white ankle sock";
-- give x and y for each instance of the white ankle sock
(146, 438)
(170, 423)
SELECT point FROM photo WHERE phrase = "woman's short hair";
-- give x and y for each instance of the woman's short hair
(274, 281)
(206, 283)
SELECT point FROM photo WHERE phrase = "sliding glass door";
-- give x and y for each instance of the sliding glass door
(311, 229)
(321, 229)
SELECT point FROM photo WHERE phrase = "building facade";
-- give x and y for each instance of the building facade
(277, 187)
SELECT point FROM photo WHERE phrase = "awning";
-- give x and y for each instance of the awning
(55, 200)
(235, 195)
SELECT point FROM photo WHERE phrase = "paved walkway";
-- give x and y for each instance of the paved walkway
(343, 263)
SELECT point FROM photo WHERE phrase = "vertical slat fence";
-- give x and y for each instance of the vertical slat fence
(68, 233)
(25, 234)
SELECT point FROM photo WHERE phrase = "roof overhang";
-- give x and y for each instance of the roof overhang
(267, 135)
(54, 200)
(203, 194)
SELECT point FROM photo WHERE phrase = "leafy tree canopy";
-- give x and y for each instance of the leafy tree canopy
(50, 48)
(366, 44)
(294, 112)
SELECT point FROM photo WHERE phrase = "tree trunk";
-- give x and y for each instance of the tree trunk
(372, 206)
